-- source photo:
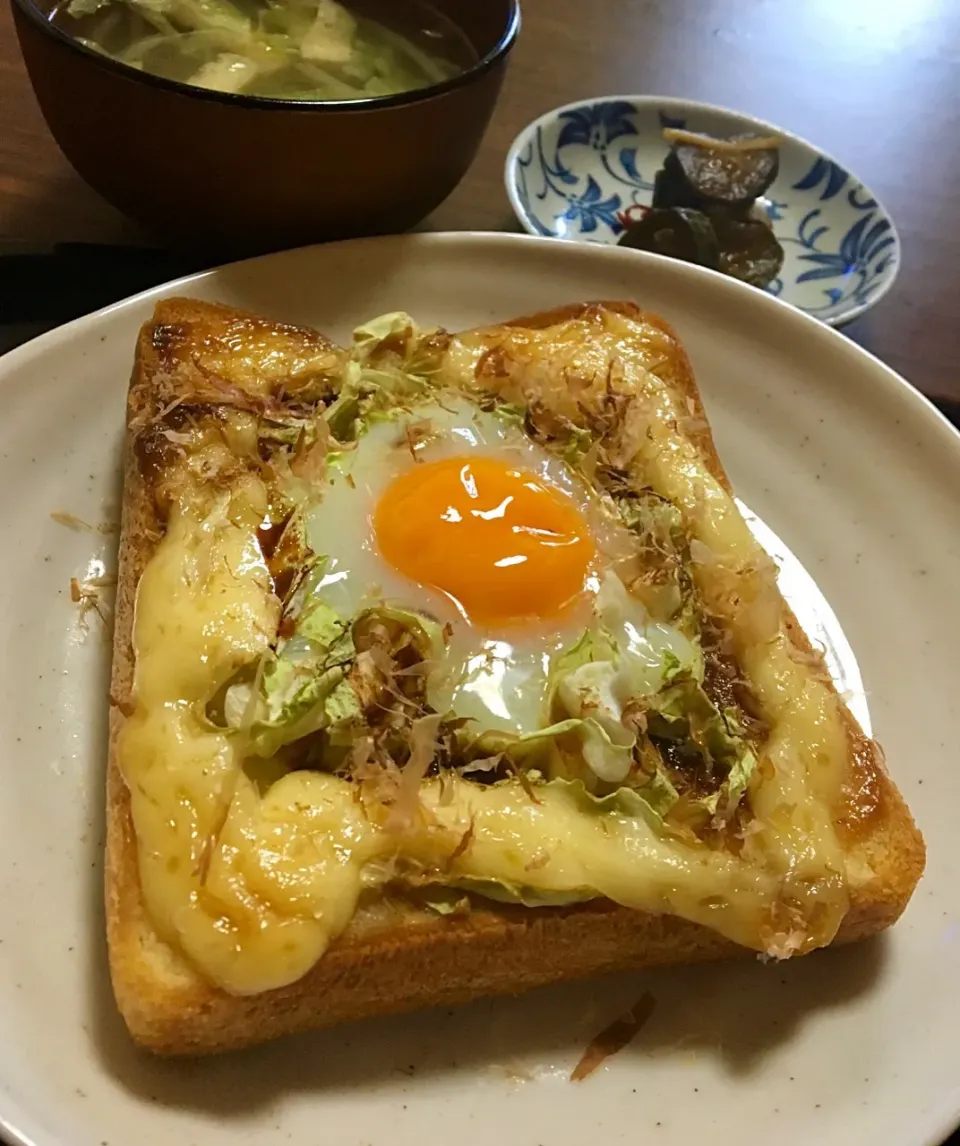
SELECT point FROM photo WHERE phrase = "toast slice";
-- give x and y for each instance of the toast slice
(396, 954)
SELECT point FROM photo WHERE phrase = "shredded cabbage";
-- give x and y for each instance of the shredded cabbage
(389, 369)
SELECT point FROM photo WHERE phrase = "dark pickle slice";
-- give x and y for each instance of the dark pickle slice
(749, 250)
(696, 174)
(670, 186)
(677, 232)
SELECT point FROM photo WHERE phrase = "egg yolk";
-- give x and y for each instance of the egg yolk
(499, 541)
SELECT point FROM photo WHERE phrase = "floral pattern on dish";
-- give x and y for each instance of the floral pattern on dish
(574, 172)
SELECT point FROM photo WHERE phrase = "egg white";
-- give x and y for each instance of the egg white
(497, 678)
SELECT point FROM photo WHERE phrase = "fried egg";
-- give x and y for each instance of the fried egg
(453, 513)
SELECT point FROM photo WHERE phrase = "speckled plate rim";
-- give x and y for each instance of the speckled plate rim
(462, 276)
(690, 106)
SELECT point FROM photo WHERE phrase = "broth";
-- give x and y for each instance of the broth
(277, 49)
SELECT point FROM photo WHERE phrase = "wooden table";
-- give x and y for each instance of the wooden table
(874, 82)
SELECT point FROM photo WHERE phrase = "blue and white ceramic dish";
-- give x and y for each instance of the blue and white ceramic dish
(571, 173)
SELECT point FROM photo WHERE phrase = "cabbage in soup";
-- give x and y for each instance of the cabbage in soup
(279, 49)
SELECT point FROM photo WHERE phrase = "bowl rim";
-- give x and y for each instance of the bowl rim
(501, 49)
(525, 134)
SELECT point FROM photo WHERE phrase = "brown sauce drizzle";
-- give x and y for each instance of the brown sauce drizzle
(687, 769)
(269, 534)
(280, 553)
(167, 336)
(862, 795)
(153, 452)
(283, 582)
(720, 675)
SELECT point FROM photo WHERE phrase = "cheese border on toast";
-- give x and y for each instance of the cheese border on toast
(409, 958)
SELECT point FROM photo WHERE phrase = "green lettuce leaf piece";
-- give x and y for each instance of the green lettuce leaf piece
(725, 800)
(304, 689)
(550, 733)
(738, 779)
(427, 634)
(532, 750)
(344, 415)
(285, 433)
(577, 445)
(683, 711)
(593, 680)
(322, 626)
(390, 388)
(381, 376)
(370, 394)
(607, 748)
(603, 754)
(672, 666)
(671, 708)
(605, 757)
(315, 704)
(397, 329)
(511, 412)
(502, 892)
(658, 793)
(596, 644)
(648, 514)
(395, 354)
(445, 905)
(651, 802)
(342, 706)
(572, 446)
(442, 899)
(659, 526)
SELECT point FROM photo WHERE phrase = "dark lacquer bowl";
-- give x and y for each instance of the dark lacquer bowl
(251, 173)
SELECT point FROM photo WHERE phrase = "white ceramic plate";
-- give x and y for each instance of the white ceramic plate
(858, 475)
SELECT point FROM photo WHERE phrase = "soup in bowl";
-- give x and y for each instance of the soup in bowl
(253, 124)
(309, 50)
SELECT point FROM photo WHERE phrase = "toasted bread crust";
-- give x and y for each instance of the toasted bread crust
(393, 958)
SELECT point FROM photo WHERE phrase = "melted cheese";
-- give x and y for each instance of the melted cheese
(806, 753)
(253, 887)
